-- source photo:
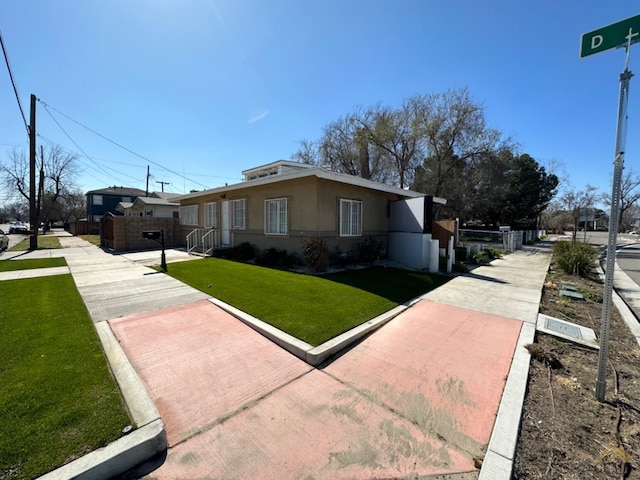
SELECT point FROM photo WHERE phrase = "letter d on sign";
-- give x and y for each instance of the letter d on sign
(596, 41)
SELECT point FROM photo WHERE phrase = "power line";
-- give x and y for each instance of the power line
(15, 89)
(79, 148)
(46, 106)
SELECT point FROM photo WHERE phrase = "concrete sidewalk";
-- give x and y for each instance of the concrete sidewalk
(424, 395)
(433, 392)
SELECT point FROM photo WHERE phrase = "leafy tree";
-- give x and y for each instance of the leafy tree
(529, 190)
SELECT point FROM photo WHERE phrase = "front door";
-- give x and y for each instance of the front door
(225, 234)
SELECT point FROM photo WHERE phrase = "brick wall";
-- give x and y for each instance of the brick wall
(127, 233)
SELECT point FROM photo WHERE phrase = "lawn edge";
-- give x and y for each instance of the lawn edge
(314, 356)
(141, 444)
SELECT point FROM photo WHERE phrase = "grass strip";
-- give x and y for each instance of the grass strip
(58, 400)
(31, 263)
(95, 239)
(311, 308)
(44, 242)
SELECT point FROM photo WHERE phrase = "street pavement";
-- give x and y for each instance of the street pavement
(435, 391)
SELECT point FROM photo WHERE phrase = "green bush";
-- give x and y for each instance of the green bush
(577, 259)
(460, 267)
(244, 252)
(275, 257)
(316, 254)
(370, 250)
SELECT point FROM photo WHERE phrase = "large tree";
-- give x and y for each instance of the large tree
(57, 170)
(529, 190)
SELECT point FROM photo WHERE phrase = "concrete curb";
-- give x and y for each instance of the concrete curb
(314, 356)
(141, 444)
(498, 461)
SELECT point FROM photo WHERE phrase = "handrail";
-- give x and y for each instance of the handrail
(194, 239)
(210, 240)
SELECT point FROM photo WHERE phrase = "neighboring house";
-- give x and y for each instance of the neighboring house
(280, 204)
(157, 204)
(105, 200)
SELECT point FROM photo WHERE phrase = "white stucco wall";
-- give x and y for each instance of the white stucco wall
(410, 249)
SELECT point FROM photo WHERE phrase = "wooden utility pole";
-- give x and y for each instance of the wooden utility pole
(33, 213)
(162, 184)
(148, 175)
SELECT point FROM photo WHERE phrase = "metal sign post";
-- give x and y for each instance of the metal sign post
(621, 138)
(620, 34)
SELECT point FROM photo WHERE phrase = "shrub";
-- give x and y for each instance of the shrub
(243, 252)
(316, 254)
(275, 257)
(577, 259)
(484, 256)
(460, 267)
(370, 250)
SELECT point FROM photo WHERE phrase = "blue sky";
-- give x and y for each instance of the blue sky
(208, 88)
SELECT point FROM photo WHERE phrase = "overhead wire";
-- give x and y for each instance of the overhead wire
(80, 148)
(47, 106)
(13, 83)
(53, 144)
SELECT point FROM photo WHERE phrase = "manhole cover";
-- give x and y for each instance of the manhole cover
(563, 328)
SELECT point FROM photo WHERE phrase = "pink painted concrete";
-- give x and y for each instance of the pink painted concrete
(416, 398)
(314, 427)
(200, 364)
(442, 367)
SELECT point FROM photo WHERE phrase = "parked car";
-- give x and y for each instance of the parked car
(18, 227)
(4, 241)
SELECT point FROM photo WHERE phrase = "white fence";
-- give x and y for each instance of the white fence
(509, 241)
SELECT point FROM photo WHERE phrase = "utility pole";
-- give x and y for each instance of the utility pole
(33, 214)
(148, 175)
(163, 184)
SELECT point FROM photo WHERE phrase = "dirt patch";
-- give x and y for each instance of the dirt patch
(565, 433)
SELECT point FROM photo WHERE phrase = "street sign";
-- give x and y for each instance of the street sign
(611, 36)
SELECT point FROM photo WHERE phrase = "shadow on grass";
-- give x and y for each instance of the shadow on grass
(394, 284)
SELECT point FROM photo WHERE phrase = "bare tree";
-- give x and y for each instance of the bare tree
(577, 202)
(308, 153)
(57, 171)
(393, 132)
(629, 196)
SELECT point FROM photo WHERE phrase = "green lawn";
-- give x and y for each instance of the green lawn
(30, 263)
(311, 308)
(44, 241)
(58, 400)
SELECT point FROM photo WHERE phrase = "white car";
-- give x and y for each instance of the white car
(18, 227)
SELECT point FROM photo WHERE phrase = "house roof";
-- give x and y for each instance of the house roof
(120, 191)
(122, 206)
(164, 195)
(307, 172)
(156, 201)
(278, 163)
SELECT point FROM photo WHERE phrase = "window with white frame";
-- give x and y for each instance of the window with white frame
(97, 199)
(276, 216)
(350, 218)
(189, 215)
(211, 215)
(238, 213)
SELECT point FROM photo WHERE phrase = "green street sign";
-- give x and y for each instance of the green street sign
(611, 36)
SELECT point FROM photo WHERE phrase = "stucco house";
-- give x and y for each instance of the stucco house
(281, 203)
(157, 204)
